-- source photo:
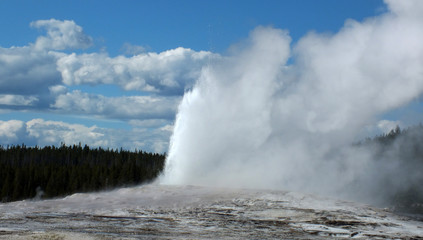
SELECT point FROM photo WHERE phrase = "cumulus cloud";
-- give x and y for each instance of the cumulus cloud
(54, 132)
(32, 69)
(12, 132)
(26, 71)
(61, 35)
(46, 133)
(17, 100)
(153, 139)
(168, 72)
(42, 76)
(58, 89)
(255, 121)
(148, 123)
(38, 76)
(131, 107)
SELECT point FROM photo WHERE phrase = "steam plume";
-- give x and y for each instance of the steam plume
(253, 120)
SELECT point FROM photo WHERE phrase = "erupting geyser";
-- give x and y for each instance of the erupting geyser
(255, 119)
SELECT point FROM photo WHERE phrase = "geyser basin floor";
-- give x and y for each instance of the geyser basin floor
(179, 212)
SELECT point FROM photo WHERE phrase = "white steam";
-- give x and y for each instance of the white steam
(253, 120)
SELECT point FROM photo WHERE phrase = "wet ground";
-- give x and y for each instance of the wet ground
(188, 212)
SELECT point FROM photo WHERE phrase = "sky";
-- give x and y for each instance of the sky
(112, 73)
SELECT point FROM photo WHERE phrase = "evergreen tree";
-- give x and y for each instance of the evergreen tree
(24, 171)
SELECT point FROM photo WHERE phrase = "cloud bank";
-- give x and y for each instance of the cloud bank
(46, 133)
(254, 120)
(61, 35)
(131, 107)
(47, 77)
(166, 73)
(41, 69)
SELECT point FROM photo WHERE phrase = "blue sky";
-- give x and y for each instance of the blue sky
(111, 73)
(162, 25)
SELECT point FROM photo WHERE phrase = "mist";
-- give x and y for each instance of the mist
(278, 114)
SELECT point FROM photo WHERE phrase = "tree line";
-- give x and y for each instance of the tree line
(34, 172)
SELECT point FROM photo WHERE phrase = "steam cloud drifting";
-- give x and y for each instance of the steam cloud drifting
(254, 120)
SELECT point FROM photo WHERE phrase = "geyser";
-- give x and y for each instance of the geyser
(255, 119)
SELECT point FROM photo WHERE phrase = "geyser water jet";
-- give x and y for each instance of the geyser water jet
(253, 120)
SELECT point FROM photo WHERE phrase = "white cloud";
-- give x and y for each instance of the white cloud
(154, 139)
(45, 133)
(26, 71)
(168, 72)
(37, 76)
(17, 100)
(126, 107)
(12, 131)
(54, 132)
(32, 69)
(58, 89)
(168, 128)
(61, 35)
(148, 123)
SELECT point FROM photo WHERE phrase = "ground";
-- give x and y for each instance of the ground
(191, 212)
